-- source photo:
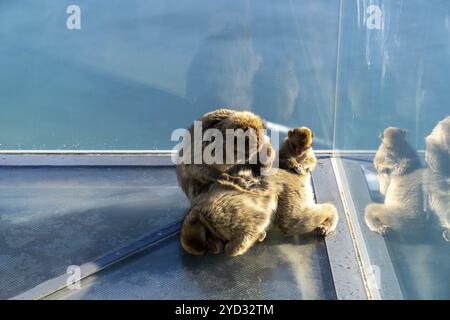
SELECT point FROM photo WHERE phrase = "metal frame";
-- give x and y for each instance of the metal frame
(375, 291)
(86, 158)
(343, 248)
(59, 283)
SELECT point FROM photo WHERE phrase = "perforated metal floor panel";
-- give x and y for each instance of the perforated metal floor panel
(53, 217)
(279, 268)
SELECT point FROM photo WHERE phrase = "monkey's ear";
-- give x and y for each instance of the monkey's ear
(404, 132)
(290, 132)
(380, 135)
(312, 134)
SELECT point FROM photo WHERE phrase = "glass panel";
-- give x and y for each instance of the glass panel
(392, 71)
(136, 70)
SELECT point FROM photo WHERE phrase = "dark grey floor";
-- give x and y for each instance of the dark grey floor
(279, 268)
(54, 217)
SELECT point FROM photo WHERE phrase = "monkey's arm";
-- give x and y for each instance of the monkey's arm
(309, 162)
(237, 181)
(405, 165)
(382, 162)
(292, 164)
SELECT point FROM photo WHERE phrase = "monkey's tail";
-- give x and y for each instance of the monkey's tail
(193, 233)
(322, 217)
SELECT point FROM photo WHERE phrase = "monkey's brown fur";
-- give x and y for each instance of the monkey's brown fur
(240, 218)
(297, 213)
(401, 182)
(237, 218)
(395, 155)
(195, 179)
(437, 177)
(296, 152)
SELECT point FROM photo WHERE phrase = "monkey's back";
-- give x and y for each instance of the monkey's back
(295, 191)
(227, 212)
(437, 188)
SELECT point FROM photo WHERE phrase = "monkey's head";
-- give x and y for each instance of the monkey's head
(242, 120)
(441, 134)
(393, 136)
(300, 139)
(247, 128)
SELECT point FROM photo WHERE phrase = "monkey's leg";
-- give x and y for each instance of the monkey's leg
(381, 218)
(193, 234)
(320, 217)
(240, 244)
(213, 244)
(331, 217)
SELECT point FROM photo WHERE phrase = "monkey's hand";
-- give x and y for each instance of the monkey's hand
(446, 235)
(300, 169)
(246, 182)
(400, 168)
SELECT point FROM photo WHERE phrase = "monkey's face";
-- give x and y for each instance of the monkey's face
(248, 135)
(393, 136)
(300, 139)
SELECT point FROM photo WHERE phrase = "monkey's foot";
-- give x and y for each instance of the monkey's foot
(234, 250)
(323, 231)
(214, 246)
(238, 246)
(446, 235)
(262, 236)
(383, 231)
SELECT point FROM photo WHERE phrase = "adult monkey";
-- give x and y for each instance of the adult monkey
(195, 178)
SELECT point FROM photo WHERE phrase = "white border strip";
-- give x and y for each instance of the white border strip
(373, 292)
(85, 159)
(89, 152)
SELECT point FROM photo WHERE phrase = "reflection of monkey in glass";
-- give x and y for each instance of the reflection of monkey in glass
(437, 178)
(400, 177)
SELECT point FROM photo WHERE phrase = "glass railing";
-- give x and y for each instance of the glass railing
(116, 75)
(391, 142)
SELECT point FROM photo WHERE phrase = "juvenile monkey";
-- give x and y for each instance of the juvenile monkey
(401, 181)
(296, 153)
(395, 156)
(196, 178)
(297, 213)
(437, 177)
